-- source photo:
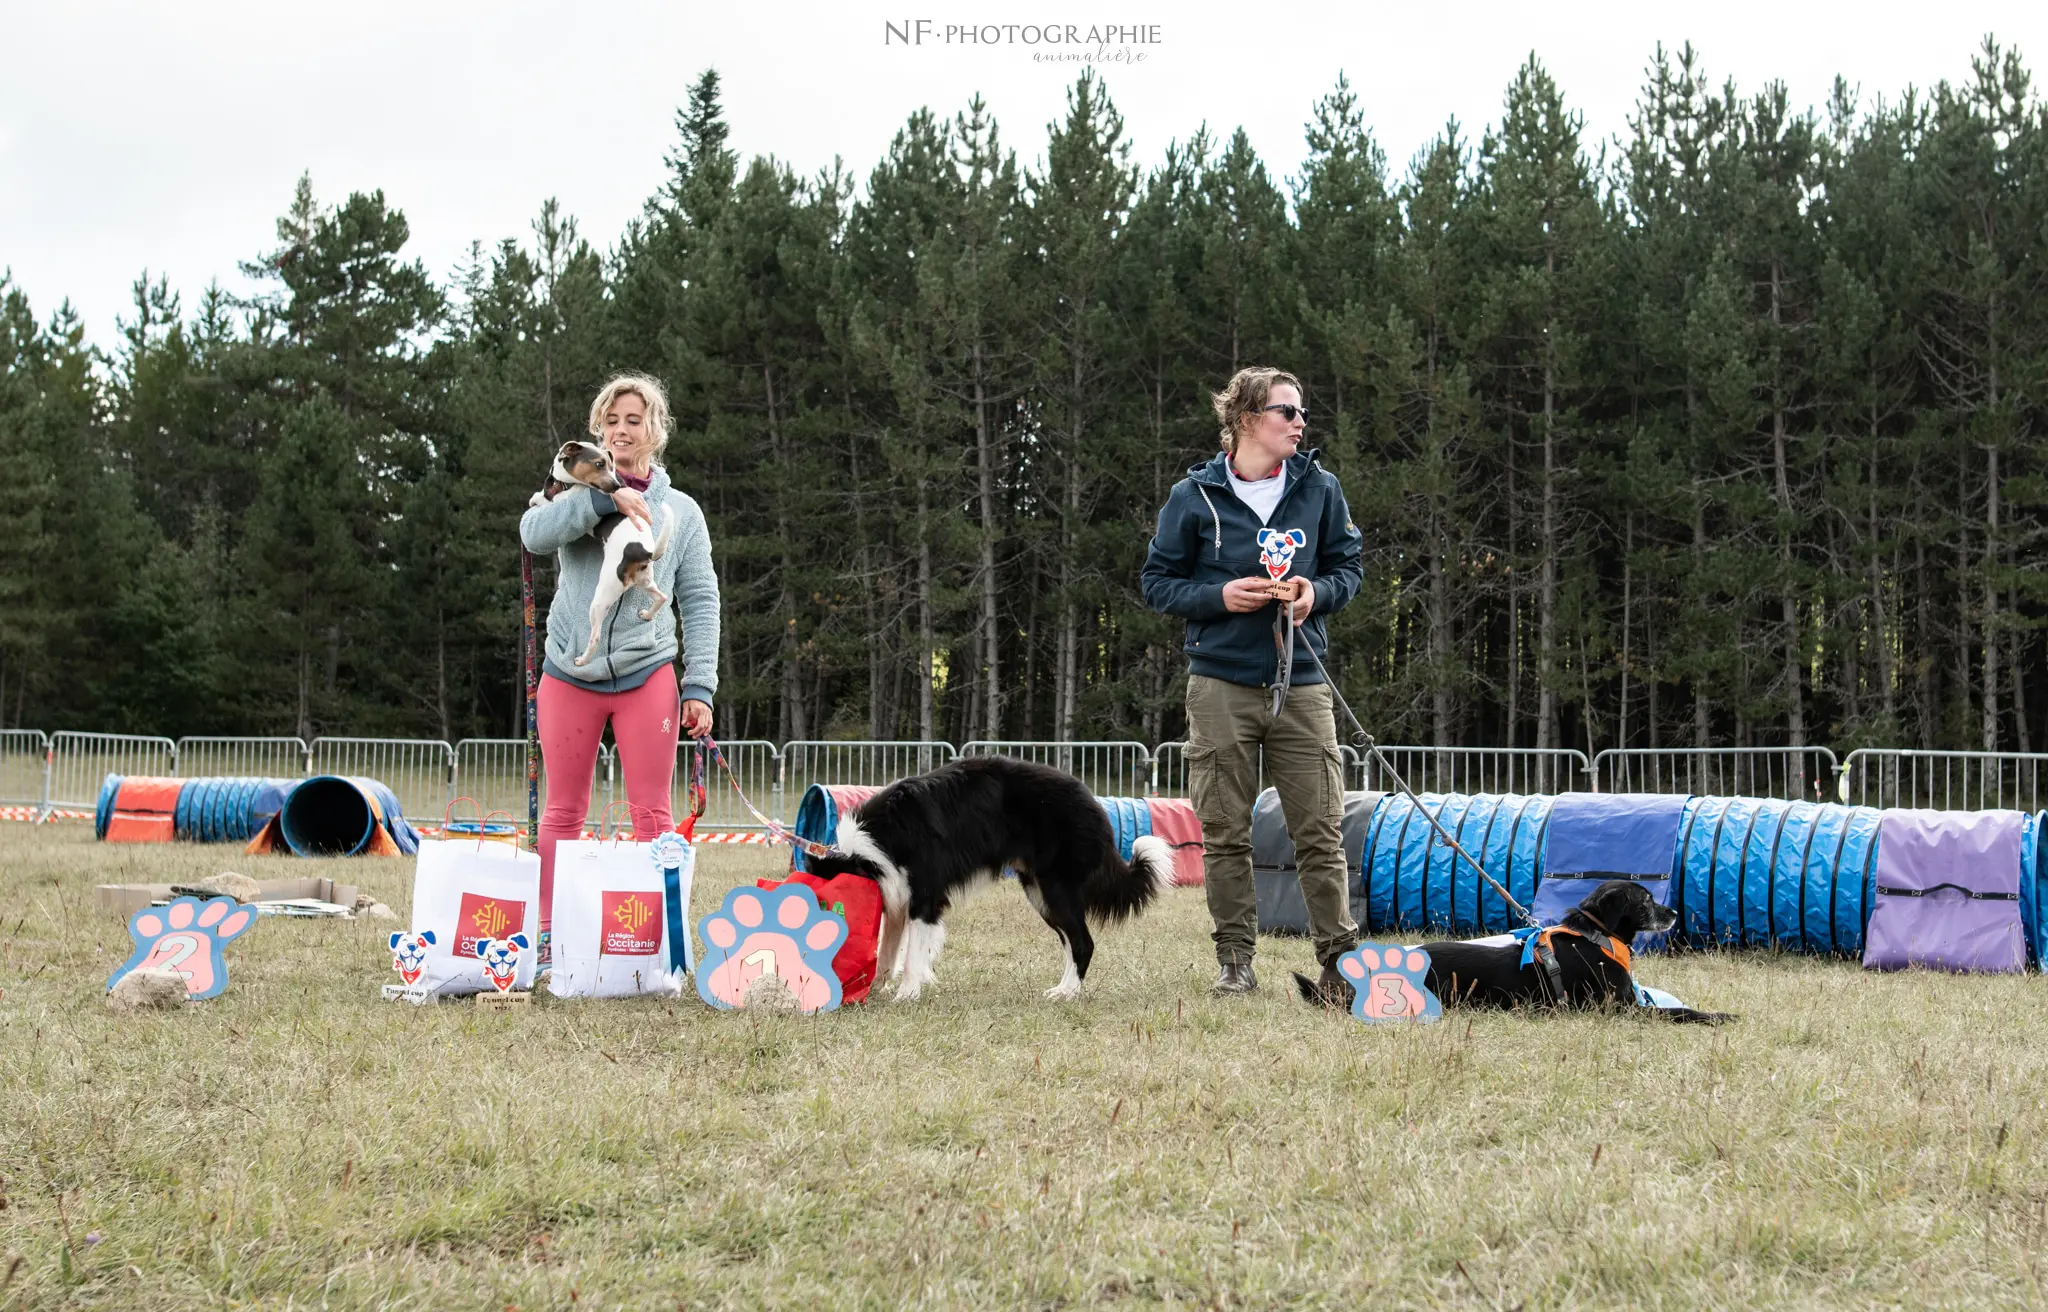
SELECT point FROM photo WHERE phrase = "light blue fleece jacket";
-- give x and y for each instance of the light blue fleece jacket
(631, 649)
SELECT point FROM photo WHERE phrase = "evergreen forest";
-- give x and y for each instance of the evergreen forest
(1724, 431)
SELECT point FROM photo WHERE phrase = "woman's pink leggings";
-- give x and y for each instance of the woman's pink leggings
(646, 723)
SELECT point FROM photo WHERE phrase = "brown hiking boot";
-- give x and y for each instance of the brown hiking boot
(1235, 977)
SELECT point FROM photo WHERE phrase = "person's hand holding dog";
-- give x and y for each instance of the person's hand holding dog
(634, 507)
(1245, 595)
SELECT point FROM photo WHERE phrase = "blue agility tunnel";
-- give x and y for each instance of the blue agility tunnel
(1744, 871)
(1761, 872)
(1414, 881)
(227, 810)
(1130, 819)
(333, 815)
(205, 810)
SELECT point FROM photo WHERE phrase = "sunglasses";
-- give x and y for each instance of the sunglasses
(1288, 412)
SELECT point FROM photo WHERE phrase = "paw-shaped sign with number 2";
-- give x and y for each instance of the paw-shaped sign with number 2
(1389, 983)
(188, 937)
(770, 931)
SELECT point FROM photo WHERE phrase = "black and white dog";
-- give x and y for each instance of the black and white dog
(931, 839)
(629, 550)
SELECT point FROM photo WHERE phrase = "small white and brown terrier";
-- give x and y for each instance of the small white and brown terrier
(629, 550)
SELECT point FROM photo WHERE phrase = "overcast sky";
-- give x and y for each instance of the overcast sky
(168, 136)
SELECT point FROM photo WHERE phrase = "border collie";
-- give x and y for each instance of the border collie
(932, 839)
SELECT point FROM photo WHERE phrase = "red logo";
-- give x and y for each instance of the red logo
(485, 917)
(631, 925)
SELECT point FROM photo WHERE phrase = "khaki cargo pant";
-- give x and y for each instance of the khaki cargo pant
(1228, 723)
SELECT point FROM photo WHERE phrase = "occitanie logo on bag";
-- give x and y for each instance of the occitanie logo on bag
(632, 925)
(485, 917)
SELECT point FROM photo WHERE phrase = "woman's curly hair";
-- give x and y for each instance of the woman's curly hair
(1244, 397)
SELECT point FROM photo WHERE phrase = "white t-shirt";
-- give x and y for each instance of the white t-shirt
(1261, 496)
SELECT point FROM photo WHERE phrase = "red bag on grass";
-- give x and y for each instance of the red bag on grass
(859, 902)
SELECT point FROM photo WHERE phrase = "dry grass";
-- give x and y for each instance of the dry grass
(1854, 1141)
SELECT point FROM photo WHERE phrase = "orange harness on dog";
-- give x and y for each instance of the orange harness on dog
(1537, 948)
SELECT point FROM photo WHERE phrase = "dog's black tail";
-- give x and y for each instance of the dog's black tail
(1118, 891)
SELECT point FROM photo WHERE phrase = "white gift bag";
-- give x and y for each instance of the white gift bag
(466, 890)
(620, 923)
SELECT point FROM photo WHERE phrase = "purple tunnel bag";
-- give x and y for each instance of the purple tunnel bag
(1948, 892)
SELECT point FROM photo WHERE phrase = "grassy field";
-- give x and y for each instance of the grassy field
(1854, 1141)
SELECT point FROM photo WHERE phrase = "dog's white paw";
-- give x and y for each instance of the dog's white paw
(1067, 990)
(582, 660)
(907, 991)
(646, 614)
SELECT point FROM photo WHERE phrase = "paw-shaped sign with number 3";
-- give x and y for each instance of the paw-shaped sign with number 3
(770, 931)
(188, 937)
(1389, 983)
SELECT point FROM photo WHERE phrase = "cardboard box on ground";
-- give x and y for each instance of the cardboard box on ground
(305, 895)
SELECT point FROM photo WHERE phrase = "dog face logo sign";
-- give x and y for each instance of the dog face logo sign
(501, 959)
(409, 954)
(485, 917)
(631, 926)
(1277, 548)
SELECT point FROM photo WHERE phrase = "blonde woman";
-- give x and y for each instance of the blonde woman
(631, 683)
(1258, 526)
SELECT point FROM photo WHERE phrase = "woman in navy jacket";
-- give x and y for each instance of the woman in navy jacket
(1261, 525)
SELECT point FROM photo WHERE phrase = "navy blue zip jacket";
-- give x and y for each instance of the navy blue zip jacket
(1208, 537)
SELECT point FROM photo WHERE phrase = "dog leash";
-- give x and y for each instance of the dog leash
(1365, 740)
(1283, 639)
(777, 831)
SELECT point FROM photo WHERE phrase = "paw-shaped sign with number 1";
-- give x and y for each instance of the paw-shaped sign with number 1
(188, 937)
(1390, 983)
(770, 931)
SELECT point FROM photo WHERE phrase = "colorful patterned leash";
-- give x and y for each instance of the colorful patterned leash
(777, 831)
(699, 797)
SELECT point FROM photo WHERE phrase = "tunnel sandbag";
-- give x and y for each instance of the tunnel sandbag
(138, 808)
(818, 814)
(1130, 819)
(1415, 882)
(1595, 837)
(1276, 876)
(1174, 821)
(1948, 893)
(1762, 872)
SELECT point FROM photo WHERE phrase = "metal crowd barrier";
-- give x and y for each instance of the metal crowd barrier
(1110, 769)
(1797, 774)
(417, 771)
(492, 771)
(1962, 781)
(1480, 769)
(267, 758)
(1426, 769)
(24, 768)
(862, 764)
(80, 761)
(63, 771)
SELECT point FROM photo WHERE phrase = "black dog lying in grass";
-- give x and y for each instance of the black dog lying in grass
(1593, 960)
